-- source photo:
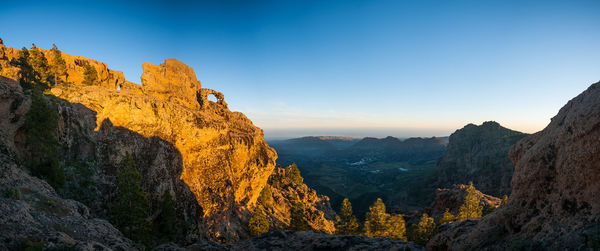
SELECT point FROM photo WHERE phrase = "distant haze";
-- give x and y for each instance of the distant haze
(275, 134)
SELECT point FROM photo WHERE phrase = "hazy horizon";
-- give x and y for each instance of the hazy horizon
(350, 68)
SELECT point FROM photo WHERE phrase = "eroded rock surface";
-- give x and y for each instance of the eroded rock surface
(30, 209)
(479, 154)
(555, 202)
(303, 240)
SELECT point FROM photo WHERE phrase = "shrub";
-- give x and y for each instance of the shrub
(470, 209)
(12, 193)
(90, 75)
(258, 224)
(297, 214)
(447, 217)
(266, 197)
(164, 224)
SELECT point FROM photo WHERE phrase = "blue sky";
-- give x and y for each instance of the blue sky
(353, 68)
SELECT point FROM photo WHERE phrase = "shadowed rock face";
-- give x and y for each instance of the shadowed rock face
(479, 154)
(555, 202)
(303, 240)
(34, 211)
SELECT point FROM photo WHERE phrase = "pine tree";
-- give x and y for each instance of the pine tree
(297, 214)
(40, 67)
(131, 207)
(504, 200)
(259, 224)
(59, 66)
(90, 75)
(346, 223)
(376, 222)
(470, 209)
(396, 227)
(447, 217)
(27, 75)
(164, 224)
(425, 230)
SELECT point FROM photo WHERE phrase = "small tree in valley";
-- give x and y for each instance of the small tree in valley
(346, 223)
(396, 227)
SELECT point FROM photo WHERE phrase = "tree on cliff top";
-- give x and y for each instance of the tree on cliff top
(131, 207)
(346, 223)
(59, 66)
(293, 174)
(470, 209)
(40, 66)
(90, 75)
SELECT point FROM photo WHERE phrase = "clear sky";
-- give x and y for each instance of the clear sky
(353, 68)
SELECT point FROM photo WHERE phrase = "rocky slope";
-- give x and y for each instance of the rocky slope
(30, 210)
(303, 240)
(213, 161)
(452, 198)
(554, 203)
(479, 154)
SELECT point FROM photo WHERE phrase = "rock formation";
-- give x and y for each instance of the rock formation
(452, 198)
(214, 162)
(479, 154)
(554, 203)
(303, 240)
(30, 209)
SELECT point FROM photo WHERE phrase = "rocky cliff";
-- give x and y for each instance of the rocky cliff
(31, 212)
(452, 198)
(554, 203)
(479, 154)
(214, 162)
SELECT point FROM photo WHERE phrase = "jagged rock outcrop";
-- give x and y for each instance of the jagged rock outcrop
(554, 203)
(212, 161)
(479, 154)
(30, 209)
(319, 214)
(452, 198)
(303, 240)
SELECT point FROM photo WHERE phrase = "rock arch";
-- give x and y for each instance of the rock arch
(203, 98)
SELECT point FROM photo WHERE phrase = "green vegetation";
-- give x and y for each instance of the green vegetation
(130, 209)
(346, 223)
(266, 197)
(12, 193)
(447, 217)
(258, 223)
(81, 182)
(164, 224)
(297, 214)
(424, 230)
(40, 67)
(470, 209)
(378, 223)
(293, 174)
(34, 246)
(40, 127)
(59, 66)
(90, 75)
(504, 200)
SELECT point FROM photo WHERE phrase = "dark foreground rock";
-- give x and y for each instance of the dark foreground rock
(303, 240)
(555, 201)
